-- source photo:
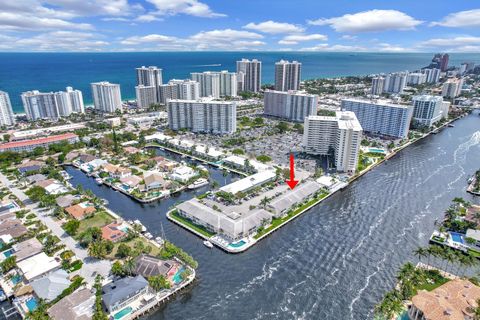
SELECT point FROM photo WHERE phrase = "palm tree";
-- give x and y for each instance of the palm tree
(264, 202)
(420, 253)
(129, 266)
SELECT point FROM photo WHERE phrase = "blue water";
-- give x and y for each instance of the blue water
(177, 278)
(31, 304)
(54, 71)
(122, 313)
(457, 237)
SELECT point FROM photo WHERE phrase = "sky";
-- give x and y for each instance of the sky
(240, 25)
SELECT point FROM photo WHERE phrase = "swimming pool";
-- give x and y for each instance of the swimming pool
(177, 278)
(375, 150)
(237, 244)
(122, 313)
(403, 316)
(16, 279)
(8, 253)
(457, 237)
(31, 304)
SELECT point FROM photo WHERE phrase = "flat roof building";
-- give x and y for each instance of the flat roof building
(380, 116)
(339, 136)
(202, 116)
(290, 105)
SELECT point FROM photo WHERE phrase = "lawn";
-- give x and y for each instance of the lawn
(174, 215)
(131, 243)
(438, 280)
(100, 219)
(278, 221)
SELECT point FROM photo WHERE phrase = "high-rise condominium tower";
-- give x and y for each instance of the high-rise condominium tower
(7, 117)
(287, 75)
(252, 70)
(106, 96)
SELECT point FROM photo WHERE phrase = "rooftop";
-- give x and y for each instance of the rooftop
(27, 248)
(37, 265)
(24, 143)
(76, 306)
(51, 286)
(121, 289)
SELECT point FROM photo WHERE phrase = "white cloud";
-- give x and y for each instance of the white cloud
(96, 7)
(226, 39)
(468, 18)
(59, 41)
(451, 42)
(18, 21)
(189, 7)
(296, 38)
(151, 38)
(369, 21)
(387, 47)
(334, 48)
(147, 18)
(348, 37)
(274, 27)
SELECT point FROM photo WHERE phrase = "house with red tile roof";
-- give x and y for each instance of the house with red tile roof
(114, 232)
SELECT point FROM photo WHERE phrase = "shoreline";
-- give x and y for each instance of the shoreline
(252, 241)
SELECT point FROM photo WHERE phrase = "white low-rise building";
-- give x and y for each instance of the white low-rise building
(183, 174)
(249, 182)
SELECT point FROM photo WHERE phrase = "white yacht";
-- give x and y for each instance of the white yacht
(198, 183)
(208, 244)
(99, 181)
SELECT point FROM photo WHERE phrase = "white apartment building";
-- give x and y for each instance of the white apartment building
(179, 89)
(52, 105)
(377, 86)
(252, 70)
(240, 81)
(202, 116)
(432, 74)
(7, 117)
(395, 82)
(380, 116)
(287, 75)
(209, 83)
(216, 84)
(416, 78)
(290, 105)
(39, 105)
(452, 88)
(149, 76)
(106, 96)
(339, 136)
(427, 109)
(76, 100)
(146, 95)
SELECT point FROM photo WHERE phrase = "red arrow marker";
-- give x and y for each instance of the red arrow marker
(292, 182)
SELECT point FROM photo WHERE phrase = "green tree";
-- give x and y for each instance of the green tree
(8, 264)
(123, 251)
(117, 269)
(71, 226)
(158, 282)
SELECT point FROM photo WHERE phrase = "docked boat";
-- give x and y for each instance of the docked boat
(198, 183)
(137, 222)
(99, 181)
(148, 235)
(208, 244)
(201, 167)
(159, 240)
(451, 125)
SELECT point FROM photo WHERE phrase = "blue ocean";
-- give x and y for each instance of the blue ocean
(54, 71)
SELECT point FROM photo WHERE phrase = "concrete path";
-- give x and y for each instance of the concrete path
(91, 266)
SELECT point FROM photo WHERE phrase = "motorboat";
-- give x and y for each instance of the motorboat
(148, 235)
(451, 125)
(99, 181)
(208, 244)
(137, 222)
(198, 183)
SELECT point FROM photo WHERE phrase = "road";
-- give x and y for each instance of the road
(91, 266)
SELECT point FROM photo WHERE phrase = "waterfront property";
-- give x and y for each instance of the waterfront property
(122, 292)
(37, 265)
(76, 306)
(51, 285)
(455, 299)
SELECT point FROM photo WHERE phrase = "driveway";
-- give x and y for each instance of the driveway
(91, 266)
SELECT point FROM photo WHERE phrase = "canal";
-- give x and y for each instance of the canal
(335, 261)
